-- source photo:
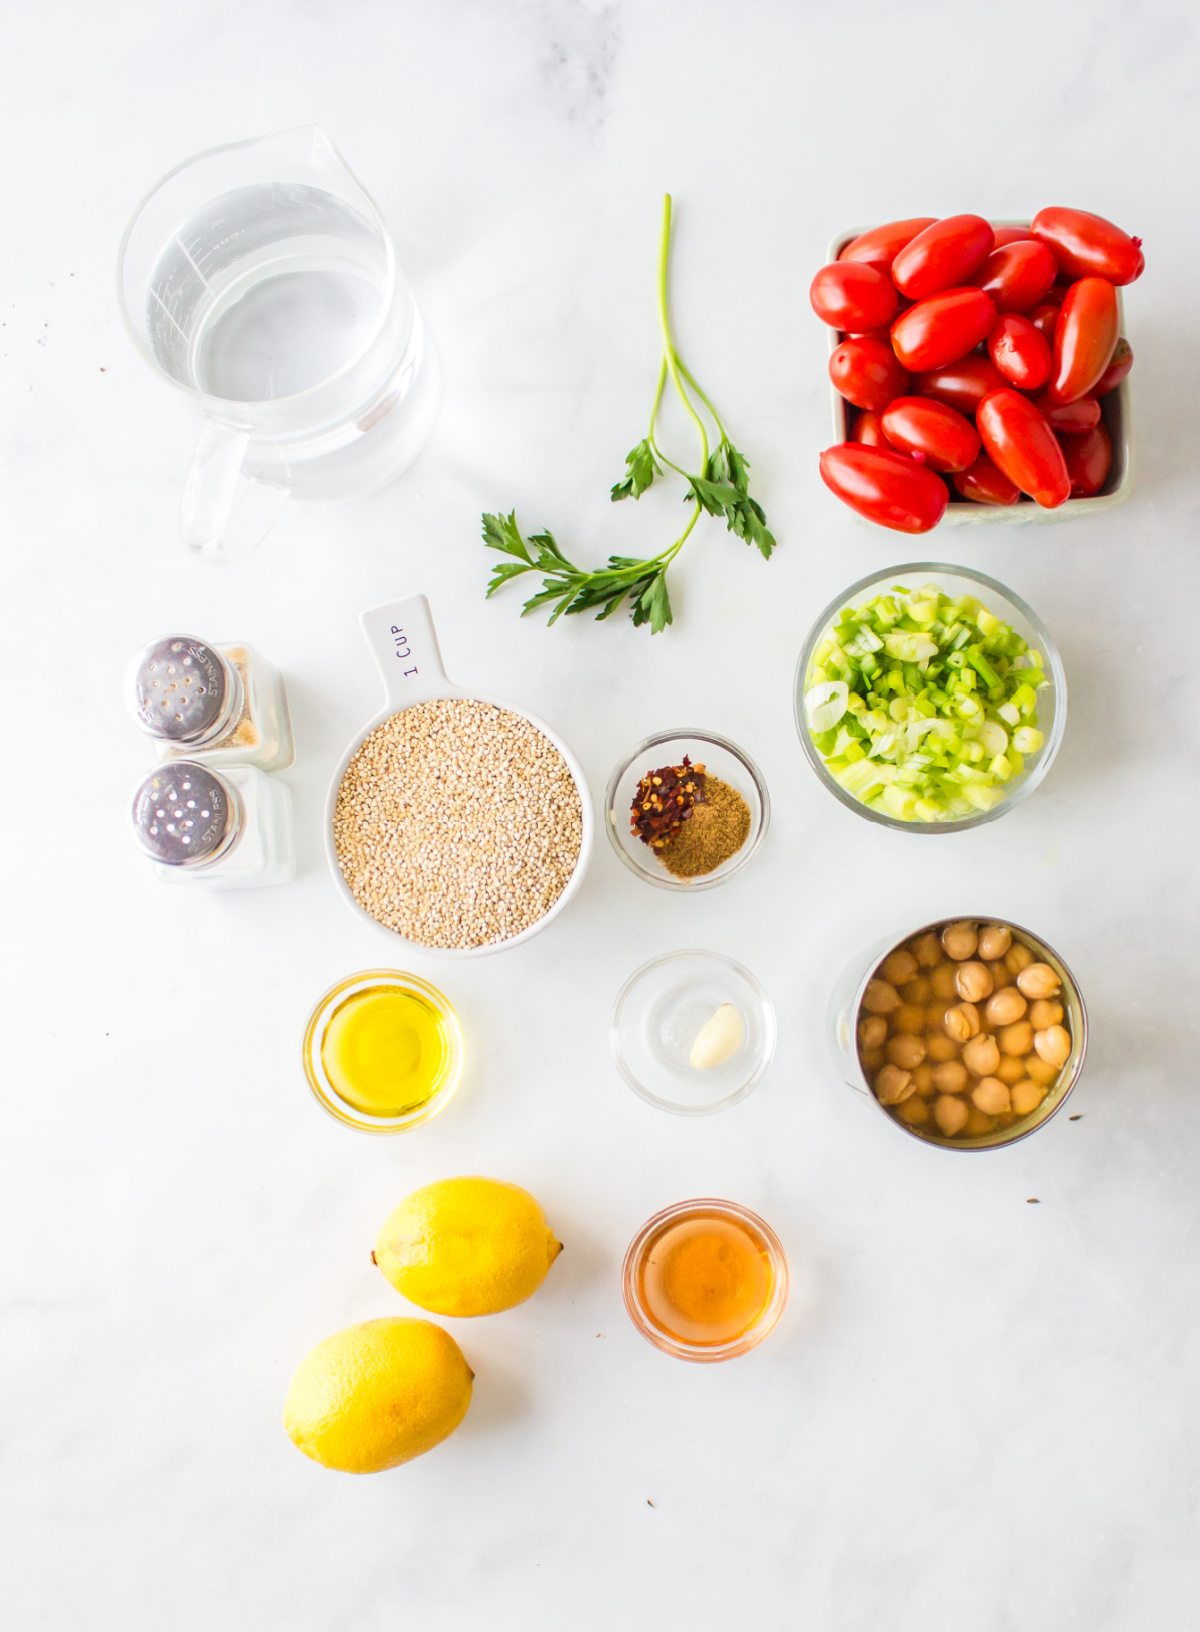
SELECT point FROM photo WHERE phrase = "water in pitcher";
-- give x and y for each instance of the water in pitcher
(266, 292)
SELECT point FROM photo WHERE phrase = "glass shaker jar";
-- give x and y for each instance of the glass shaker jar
(224, 703)
(224, 830)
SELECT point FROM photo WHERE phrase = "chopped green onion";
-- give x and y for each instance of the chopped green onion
(924, 707)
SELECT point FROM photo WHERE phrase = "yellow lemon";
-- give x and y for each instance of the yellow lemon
(467, 1246)
(376, 1395)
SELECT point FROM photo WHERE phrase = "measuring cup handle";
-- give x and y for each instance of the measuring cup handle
(404, 644)
(224, 513)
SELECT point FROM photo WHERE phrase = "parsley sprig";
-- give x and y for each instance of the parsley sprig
(721, 487)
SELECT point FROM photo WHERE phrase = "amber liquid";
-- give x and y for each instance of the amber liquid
(706, 1279)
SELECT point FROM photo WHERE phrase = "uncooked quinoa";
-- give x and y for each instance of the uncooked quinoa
(457, 824)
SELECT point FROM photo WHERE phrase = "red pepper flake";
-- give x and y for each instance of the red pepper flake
(664, 800)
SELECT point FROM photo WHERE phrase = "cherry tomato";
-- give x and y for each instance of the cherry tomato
(880, 246)
(1044, 318)
(1085, 338)
(1079, 415)
(885, 487)
(984, 483)
(868, 429)
(1010, 235)
(1089, 460)
(1055, 296)
(866, 372)
(1087, 245)
(1122, 362)
(942, 328)
(962, 385)
(944, 256)
(849, 295)
(1017, 276)
(921, 425)
(1019, 441)
(1020, 352)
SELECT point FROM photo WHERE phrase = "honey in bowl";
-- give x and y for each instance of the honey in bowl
(705, 1280)
(385, 1051)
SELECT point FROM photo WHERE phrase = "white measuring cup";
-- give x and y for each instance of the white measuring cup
(404, 644)
(259, 278)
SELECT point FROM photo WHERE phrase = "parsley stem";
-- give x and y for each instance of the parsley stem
(691, 379)
(670, 359)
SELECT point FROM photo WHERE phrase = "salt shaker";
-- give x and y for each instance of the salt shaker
(225, 704)
(226, 829)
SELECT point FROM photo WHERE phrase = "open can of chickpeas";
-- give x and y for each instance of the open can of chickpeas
(967, 1032)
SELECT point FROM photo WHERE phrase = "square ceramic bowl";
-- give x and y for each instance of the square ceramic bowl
(1115, 414)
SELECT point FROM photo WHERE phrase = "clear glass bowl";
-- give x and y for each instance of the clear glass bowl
(720, 758)
(657, 1015)
(846, 1004)
(314, 1036)
(1002, 603)
(643, 1244)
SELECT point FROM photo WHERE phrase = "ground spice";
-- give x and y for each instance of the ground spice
(717, 830)
(458, 823)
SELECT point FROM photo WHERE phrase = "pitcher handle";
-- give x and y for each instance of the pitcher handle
(404, 644)
(224, 514)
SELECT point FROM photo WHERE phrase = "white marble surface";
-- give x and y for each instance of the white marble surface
(978, 1415)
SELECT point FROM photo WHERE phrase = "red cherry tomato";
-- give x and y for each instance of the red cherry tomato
(1087, 245)
(1079, 415)
(1017, 276)
(1085, 338)
(885, 487)
(868, 429)
(1020, 352)
(942, 328)
(962, 384)
(921, 425)
(1122, 362)
(986, 484)
(849, 295)
(1089, 460)
(866, 372)
(944, 256)
(880, 246)
(1019, 441)
(1044, 318)
(1010, 235)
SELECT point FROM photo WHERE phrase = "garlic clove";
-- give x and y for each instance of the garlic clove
(718, 1039)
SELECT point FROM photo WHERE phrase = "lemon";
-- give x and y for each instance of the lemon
(467, 1246)
(375, 1395)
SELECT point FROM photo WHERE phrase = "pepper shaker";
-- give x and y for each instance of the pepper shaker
(226, 829)
(225, 704)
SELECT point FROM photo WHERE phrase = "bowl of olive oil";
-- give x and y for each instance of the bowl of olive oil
(383, 1051)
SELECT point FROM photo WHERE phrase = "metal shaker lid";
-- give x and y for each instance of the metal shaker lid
(184, 814)
(181, 690)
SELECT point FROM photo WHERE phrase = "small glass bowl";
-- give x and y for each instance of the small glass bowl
(643, 1244)
(314, 1036)
(656, 1017)
(1002, 603)
(722, 759)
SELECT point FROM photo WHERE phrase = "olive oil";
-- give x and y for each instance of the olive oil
(385, 1051)
(706, 1279)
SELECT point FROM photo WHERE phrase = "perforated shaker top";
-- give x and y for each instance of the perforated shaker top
(184, 814)
(180, 689)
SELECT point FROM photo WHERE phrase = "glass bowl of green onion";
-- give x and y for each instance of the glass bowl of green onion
(930, 698)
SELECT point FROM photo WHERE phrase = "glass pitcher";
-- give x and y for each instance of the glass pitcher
(260, 279)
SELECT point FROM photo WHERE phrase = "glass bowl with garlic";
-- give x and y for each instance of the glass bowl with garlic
(692, 1032)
